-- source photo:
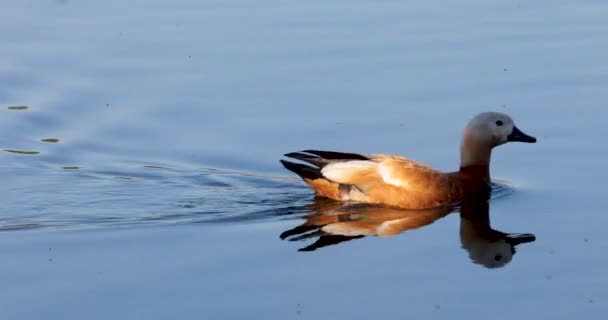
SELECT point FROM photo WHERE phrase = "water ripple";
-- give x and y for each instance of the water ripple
(156, 195)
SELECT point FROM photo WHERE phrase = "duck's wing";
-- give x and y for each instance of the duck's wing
(378, 169)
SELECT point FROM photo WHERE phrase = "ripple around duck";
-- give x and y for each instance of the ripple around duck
(157, 195)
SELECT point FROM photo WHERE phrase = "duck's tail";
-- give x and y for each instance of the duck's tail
(312, 174)
(313, 177)
(302, 170)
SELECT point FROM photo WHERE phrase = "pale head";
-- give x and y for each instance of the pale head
(486, 131)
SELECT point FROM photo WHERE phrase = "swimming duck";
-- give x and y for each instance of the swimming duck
(401, 182)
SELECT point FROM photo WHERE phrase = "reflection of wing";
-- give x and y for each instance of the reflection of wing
(338, 222)
(382, 221)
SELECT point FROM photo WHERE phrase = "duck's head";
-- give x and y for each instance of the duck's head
(493, 129)
(486, 131)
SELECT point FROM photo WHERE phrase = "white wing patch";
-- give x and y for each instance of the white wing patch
(384, 228)
(346, 230)
(385, 173)
(340, 170)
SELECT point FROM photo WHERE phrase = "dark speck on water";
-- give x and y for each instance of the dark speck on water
(24, 152)
(177, 195)
(18, 107)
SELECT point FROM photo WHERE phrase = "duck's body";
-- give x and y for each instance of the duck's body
(381, 179)
(402, 182)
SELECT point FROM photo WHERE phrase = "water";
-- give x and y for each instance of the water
(162, 194)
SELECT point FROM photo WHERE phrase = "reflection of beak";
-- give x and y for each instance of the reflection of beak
(515, 239)
(517, 135)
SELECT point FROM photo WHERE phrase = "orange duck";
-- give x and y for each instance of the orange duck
(401, 182)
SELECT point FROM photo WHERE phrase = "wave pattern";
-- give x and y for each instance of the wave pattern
(155, 195)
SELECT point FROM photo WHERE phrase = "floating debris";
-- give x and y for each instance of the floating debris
(71, 168)
(156, 167)
(21, 151)
(18, 107)
(50, 140)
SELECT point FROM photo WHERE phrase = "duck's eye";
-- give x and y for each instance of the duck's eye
(498, 258)
(499, 123)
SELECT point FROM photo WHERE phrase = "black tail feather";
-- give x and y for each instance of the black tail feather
(331, 155)
(317, 158)
(302, 170)
(328, 240)
(298, 230)
(317, 161)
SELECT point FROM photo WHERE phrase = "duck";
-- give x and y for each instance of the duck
(401, 182)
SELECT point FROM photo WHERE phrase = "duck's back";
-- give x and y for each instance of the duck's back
(410, 184)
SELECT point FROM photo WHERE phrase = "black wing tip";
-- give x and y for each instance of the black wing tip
(309, 158)
(334, 155)
(296, 154)
(302, 170)
(327, 240)
(317, 158)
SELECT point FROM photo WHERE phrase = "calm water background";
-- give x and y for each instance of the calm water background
(164, 197)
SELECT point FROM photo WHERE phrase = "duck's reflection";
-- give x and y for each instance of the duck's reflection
(335, 222)
(486, 246)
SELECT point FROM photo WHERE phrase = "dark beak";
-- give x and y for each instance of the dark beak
(517, 135)
(515, 239)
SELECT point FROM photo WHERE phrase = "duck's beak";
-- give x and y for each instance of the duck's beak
(517, 135)
(515, 239)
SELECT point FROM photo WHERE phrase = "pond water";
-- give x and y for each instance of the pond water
(141, 142)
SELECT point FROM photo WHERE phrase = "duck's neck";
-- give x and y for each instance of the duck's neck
(475, 159)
